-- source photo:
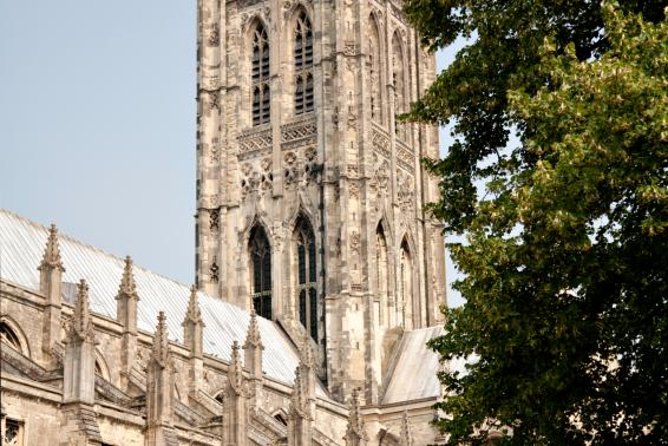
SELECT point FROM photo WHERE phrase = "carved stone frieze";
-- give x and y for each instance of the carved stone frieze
(380, 141)
(252, 143)
(405, 157)
(300, 133)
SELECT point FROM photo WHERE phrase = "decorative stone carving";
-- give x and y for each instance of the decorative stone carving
(252, 142)
(213, 35)
(298, 134)
(214, 219)
(355, 241)
(214, 270)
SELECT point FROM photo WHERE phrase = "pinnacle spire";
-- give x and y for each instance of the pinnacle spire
(253, 337)
(193, 314)
(128, 286)
(160, 352)
(235, 373)
(51, 256)
(82, 325)
(355, 420)
(297, 404)
(306, 355)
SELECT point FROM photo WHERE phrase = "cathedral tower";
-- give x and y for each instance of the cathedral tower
(309, 192)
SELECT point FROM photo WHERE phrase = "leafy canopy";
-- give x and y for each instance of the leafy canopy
(566, 260)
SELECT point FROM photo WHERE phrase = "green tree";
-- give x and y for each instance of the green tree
(566, 261)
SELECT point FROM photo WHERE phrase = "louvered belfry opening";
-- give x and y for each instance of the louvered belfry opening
(260, 76)
(260, 256)
(303, 64)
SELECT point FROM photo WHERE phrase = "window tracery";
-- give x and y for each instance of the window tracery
(306, 277)
(399, 83)
(261, 105)
(381, 271)
(405, 306)
(304, 100)
(374, 69)
(260, 255)
(8, 336)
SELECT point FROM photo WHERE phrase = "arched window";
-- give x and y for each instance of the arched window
(260, 255)
(306, 276)
(374, 68)
(303, 64)
(399, 82)
(7, 335)
(260, 76)
(405, 304)
(381, 272)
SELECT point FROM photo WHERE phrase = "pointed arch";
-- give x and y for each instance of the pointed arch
(399, 80)
(260, 73)
(303, 61)
(382, 272)
(406, 291)
(101, 367)
(306, 275)
(374, 68)
(259, 250)
(12, 335)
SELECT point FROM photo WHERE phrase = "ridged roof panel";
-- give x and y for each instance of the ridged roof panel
(22, 244)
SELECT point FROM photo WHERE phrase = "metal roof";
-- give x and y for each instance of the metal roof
(22, 244)
(414, 375)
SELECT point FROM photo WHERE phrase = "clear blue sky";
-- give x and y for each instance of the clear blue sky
(97, 124)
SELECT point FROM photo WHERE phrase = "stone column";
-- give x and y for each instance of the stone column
(50, 279)
(356, 434)
(79, 420)
(253, 358)
(160, 391)
(126, 315)
(235, 409)
(193, 331)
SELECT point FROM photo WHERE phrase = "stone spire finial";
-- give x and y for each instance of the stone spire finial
(253, 338)
(234, 372)
(405, 437)
(299, 401)
(356, 433)
(306, 355)
(51, 258)
(193, 314)
(128, 286)
(82, 325)
(160, 353)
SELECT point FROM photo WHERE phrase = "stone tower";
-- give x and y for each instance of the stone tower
(309, 193)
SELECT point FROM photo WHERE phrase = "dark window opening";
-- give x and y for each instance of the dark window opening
(260, 254)
(261, 103)
(306, 277)
(303, 64)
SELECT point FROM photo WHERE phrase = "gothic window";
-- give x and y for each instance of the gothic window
(7, 335)
(399, 83)
(306, 276)
(260, 255)
(260, 76)
(381, 271)
(303, 64)
(405, 304)
(374, 69)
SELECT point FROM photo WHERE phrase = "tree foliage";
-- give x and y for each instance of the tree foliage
(566, 260)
